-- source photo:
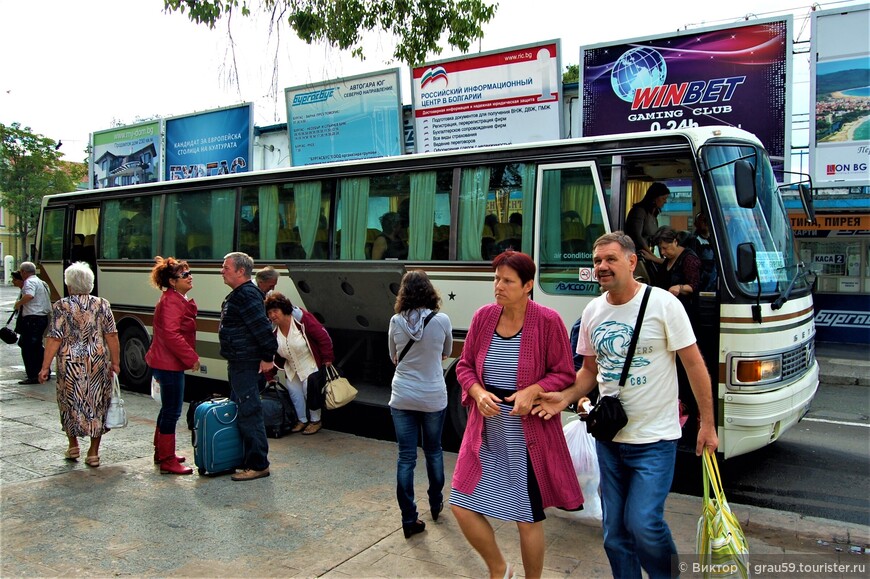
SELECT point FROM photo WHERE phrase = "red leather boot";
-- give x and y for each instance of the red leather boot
(156, 455)
(168, 461)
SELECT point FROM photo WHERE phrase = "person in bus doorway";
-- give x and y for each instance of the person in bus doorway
(267, 279)
(699, 242)
(680, 273)
(305, 347)
(641, 224)
(390, 244)
(248, 345)
(419, 338)
(83, 342)
(172, 351)
(34, 307)
(637, 467)
(511, 464)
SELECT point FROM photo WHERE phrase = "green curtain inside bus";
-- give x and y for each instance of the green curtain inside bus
(422, 215)
(307, 197)
(473, 189)
(354, 213)
(527, 173)
(268, 215)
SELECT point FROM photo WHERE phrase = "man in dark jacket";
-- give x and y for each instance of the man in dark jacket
(248, 345)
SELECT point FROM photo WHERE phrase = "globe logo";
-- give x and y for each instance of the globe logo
(638, 68)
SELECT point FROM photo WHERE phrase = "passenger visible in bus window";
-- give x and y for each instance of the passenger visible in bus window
(488, 246)
(699, 242)
(389, 244)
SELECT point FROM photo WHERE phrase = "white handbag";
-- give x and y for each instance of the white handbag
(116, 416)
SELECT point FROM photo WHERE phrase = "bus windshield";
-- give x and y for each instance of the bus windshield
(766, 225)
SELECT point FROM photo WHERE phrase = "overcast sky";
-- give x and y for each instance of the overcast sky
(72, 67)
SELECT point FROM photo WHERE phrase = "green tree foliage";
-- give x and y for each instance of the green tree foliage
(419, 25)
(571, 74)
(30, 168)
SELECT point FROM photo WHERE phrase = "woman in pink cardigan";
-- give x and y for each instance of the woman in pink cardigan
(512, 465)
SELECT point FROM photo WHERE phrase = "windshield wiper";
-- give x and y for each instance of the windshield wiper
(783, 297)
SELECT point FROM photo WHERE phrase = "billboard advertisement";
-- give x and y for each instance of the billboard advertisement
(736, 75)
(125, 155)
(494, 98)
(840, 97)
(343, 119)
(217, 142)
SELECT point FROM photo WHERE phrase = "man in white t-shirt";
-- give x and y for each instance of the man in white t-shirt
(637, 467)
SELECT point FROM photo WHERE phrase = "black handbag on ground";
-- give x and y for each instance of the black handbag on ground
(6, 333)
(608, 417)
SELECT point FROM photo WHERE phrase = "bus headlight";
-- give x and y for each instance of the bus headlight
(749, 372)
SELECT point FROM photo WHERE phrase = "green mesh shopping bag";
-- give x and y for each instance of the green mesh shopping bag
(722, 547)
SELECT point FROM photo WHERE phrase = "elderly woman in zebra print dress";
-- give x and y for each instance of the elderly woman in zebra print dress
(83, 338)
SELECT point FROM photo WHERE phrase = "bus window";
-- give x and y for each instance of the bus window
(300, 218)
(571, 221)
(52, 235)
(398, 216)
(492, 202)
(198, 224)
(129, 229)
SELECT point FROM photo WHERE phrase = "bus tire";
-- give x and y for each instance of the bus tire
(135, 373)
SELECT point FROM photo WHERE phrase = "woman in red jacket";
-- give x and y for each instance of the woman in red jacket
(172, 352)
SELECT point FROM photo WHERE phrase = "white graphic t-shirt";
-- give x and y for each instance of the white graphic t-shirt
(650, 392)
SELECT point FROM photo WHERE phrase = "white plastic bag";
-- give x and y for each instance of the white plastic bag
(581, 445)
(155, 390)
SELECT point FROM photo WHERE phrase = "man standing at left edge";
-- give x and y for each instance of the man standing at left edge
(249, 346)
(34, 307)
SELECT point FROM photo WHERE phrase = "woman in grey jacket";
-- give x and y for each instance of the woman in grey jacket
(419, 339)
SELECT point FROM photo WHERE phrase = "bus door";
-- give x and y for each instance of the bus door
(571, 210)
(69, 234)
(84, 224)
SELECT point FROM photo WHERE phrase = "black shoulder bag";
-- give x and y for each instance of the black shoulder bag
(412, 342)
(6, 333)
(608, 417)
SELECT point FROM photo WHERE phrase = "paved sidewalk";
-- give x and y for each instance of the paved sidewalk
(328, 509)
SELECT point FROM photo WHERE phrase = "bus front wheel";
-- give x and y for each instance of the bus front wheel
(135, 374)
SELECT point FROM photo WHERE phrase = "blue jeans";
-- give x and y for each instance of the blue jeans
(171, 399)
(408, 424)
(244, 377)
(635, 481)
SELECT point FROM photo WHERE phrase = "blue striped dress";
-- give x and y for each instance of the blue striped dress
(507, 489)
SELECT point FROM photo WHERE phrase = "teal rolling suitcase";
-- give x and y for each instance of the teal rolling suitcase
(217, 442)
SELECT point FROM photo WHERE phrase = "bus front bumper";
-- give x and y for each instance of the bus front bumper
(754, 420)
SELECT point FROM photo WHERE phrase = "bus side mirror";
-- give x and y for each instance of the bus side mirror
(747, 270)
(744, 183)
(806, 196)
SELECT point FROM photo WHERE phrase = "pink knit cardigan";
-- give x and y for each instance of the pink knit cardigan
(545, 359)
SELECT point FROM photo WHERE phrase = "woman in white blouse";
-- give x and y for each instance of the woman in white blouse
(305, 347)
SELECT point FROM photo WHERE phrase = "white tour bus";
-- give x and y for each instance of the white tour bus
(318, 224)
